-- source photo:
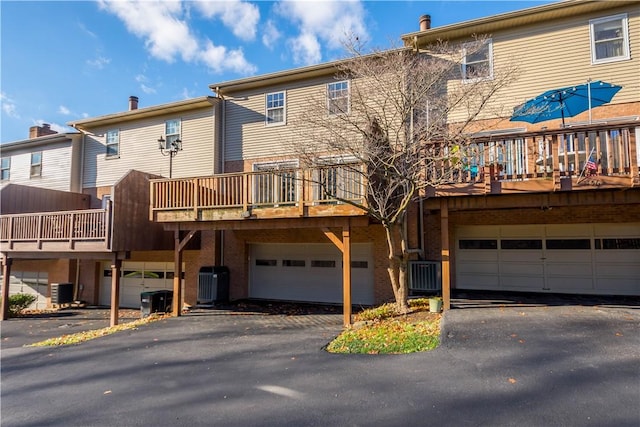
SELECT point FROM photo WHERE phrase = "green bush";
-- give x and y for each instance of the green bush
(19, 302)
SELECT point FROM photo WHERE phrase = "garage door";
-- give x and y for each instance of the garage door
(309, 272)
(577, 258)
(137, 277)
(30, 282)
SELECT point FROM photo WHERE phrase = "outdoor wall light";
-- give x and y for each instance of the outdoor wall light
(169, 148)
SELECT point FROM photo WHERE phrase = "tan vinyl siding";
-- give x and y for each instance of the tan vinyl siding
(558, 54)
(56, 166)
(247, 135)
(139, 149)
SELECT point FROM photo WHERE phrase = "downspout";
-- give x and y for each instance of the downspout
(223, 134)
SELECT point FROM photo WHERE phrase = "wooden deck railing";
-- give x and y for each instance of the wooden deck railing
(548, 154)
(57, 230)
(546, 160)
(293, 188)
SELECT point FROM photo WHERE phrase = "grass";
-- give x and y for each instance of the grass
(83, 336)
(384, 332)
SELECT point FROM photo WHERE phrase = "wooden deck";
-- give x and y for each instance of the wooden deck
(66, 231)
(277, 194)
(517, 163)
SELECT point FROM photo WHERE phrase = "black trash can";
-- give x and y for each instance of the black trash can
(155, 302)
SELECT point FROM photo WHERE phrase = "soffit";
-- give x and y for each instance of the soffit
(143, 113)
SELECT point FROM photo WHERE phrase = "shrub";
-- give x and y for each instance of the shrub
(377, 313)
(19, 302)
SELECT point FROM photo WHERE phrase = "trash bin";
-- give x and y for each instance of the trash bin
(155, 302)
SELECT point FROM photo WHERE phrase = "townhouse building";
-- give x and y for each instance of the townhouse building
(232, 193)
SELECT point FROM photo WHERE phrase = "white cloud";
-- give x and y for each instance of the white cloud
(64, 110)
(165, 30)
(98, 62)
(143, 80)
(270, 35)
(147, 89)
(8, 106)
(55, 126)
(330, 22)
(219, 58)
(306, 49)
(241, 17)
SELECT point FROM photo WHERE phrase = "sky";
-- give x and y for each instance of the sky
(62, 61)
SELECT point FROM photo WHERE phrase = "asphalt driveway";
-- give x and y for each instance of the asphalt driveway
(499, 364)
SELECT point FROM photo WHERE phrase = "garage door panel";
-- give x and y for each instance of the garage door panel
(478, 268)
(478, 256)
(619, 286)
(317, 276)
(567, 269)
(569, 284)
(511, 282)
(521, 269)
(573, 258)
(524, 256)
(478, 281)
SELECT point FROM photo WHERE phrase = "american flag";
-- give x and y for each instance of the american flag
(591, 164)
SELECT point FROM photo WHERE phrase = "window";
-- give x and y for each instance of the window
(323, 263)
(477, 61)
(5, 169)
(277, 184)
(478, 244)
(275, 108)
(338, 98)
(266, 262)
(609, 39)
(113, 143)
(568, 244)
(293, 263)
(338, 177)
(521, 244)
(36, 164)
(172, 132)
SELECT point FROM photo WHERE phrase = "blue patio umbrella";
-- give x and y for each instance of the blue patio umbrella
(565, 102)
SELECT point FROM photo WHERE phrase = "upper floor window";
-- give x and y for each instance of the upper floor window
(5, 168)
(477, 60)
(36, 164)
(172, 132)
(275, 108)
(113, 143)
(609, 39)
(338, 98)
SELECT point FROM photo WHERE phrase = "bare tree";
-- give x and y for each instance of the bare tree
(403, 126)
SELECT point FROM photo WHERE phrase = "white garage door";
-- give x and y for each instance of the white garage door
(576, 258)
(309, 272)
(137, 277)
(30, 282)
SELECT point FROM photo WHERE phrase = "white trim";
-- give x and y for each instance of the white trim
(625, 45)
(329, 99)
(463, 71)
(267, 109)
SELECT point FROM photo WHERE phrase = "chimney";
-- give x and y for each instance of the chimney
(425, 22)
(37, 131)
(133, 103)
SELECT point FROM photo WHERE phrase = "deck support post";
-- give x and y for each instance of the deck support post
(176, 305)
(344, 245)
(116, 266)
(446, 269)
(6, 280)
